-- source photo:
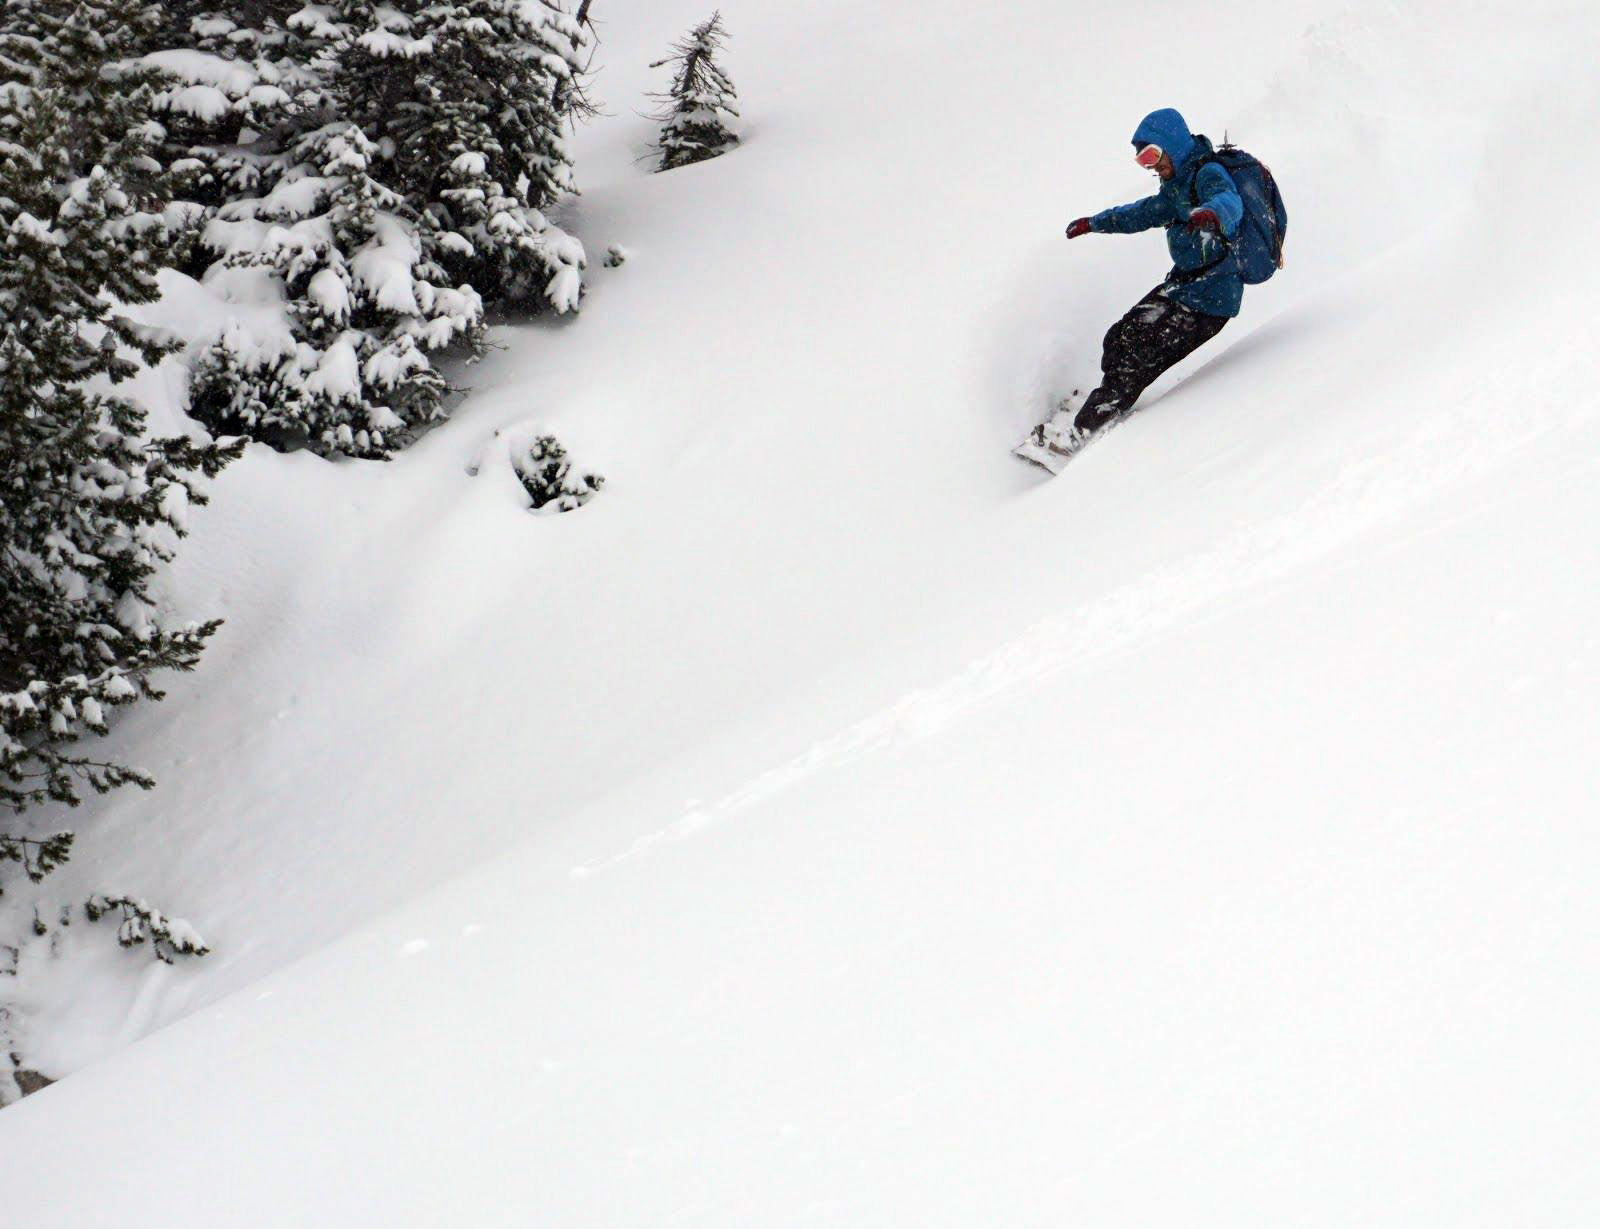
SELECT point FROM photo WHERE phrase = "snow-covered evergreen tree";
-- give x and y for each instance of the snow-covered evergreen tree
(468, 94)
(81, 51)
(300, 215)
(381, 169)
(235, 87)
(350, 373)
(574, 99)
(699, 109)
(89, 506)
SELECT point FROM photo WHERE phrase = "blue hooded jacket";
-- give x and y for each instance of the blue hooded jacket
(1195, 184)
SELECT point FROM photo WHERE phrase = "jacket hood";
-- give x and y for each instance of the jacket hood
(1169, 130)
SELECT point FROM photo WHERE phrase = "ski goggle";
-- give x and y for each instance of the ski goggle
(1148, 157)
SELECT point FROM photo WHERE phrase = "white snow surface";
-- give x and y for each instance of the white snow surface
(833, 823)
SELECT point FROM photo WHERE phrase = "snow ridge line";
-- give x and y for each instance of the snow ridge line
(1361, 495)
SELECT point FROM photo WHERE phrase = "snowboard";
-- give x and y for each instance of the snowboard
(1037, 449)
(1056, 430)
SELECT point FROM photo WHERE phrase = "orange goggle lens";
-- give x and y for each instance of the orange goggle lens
(1148, 157)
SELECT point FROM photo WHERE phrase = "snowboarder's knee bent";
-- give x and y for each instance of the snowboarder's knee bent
(1154, 335)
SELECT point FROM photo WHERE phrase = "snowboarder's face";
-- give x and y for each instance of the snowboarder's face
(1154, 158)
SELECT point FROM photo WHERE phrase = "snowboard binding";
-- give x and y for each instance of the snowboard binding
(1055, 441)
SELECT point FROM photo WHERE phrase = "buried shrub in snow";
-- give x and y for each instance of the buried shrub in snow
(698, 110)
(547, 475)
(167, 936)
(139, 923)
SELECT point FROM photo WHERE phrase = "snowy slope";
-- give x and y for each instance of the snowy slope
(1203, 835)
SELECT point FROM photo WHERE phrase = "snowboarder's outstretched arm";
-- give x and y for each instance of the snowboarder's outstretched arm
(1147, 214)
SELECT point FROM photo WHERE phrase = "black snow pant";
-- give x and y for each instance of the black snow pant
(1156, 334)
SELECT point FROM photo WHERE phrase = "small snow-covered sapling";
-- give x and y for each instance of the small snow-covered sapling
(698, 111)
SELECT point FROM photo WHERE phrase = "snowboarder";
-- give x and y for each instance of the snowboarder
(1200, 206)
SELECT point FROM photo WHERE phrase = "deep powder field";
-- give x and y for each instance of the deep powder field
(837, 822)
